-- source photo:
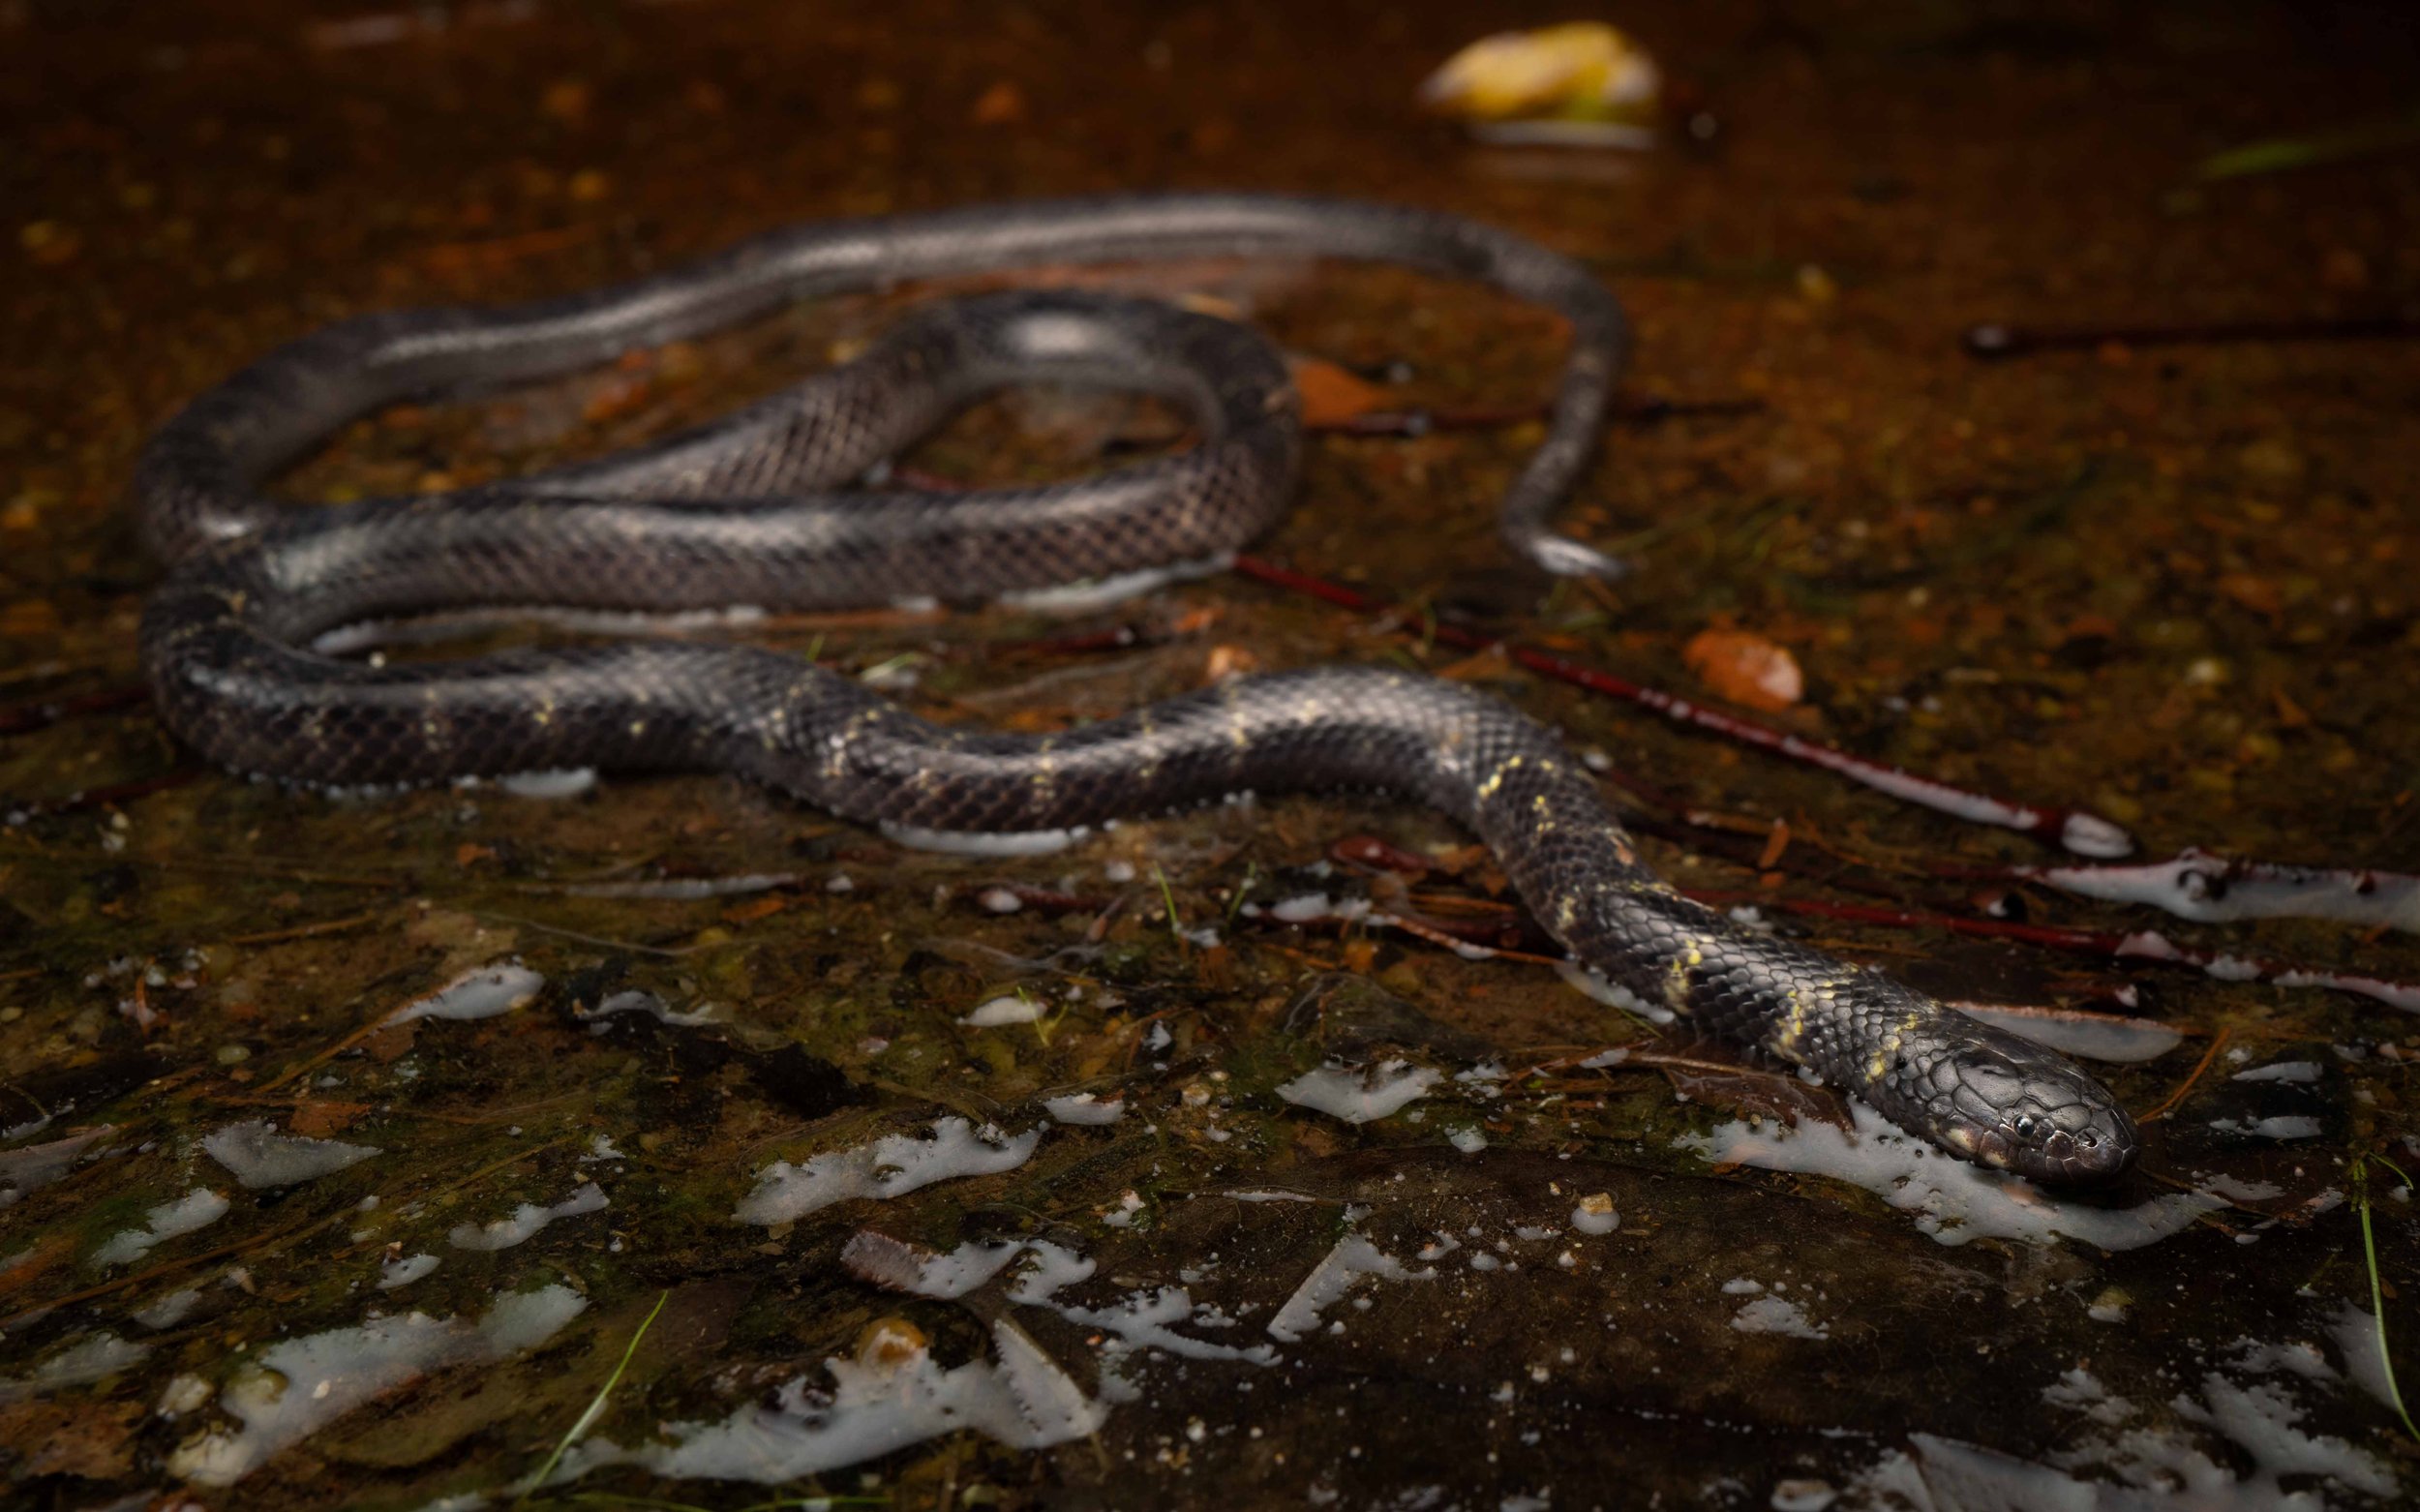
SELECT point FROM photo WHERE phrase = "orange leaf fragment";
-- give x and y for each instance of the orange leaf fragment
(1491, 665)
(1745, 668)
(318, 1119)
(1330, 395)
(1002, 105)
(1776, 842)
(2255, 592)
(755, 908)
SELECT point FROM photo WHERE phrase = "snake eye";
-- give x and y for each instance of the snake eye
(2026, 1126)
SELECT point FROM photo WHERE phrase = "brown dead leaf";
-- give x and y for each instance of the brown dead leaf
(1491, 665)
(30, 1266)
(319, 1118)
(1332, 395)
(755, 908)
(1762, 1094)
(1776, 844)
(88, 1440)
(1228, 661)
(390, 1043)
(1002, 105)
(2255, 592)
(1376, 855)
(1745, 668)
(29, 617)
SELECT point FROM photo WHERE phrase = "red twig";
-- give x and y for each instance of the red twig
(2074, 829)
(2141, 945)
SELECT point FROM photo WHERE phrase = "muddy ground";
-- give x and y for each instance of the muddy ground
(822, 1168)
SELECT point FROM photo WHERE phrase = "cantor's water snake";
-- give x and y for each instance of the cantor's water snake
(753, 510)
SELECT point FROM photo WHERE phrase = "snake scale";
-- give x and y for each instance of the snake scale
(757, 509)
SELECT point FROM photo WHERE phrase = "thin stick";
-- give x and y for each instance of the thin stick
(2218, 1043)
(306, 931)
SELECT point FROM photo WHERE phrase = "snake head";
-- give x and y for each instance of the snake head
(2016, 1107)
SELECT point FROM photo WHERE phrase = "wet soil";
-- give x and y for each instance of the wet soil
(2169, 585)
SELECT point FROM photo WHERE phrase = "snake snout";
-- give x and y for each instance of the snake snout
(2040, 1117)
(2080, 1138)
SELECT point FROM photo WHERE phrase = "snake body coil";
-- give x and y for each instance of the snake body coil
(752, 510)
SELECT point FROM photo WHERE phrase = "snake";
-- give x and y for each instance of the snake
(785, 505)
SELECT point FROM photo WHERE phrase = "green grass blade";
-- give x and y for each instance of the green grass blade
(597, 1404)
(2378, 1300)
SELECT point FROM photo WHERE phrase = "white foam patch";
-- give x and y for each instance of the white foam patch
(1012, 1008)
(634, 1001)
(1776, 1315)
(169, 1311)
(555, 783)
(1953, 1201)
(79, 1364)
(483, 993)
(1352, 1261)
(2078, 1391)
(1316, 907)
(2152, 945)
(2262, 1418)
(1595, 1215)
(954, 842)
(875, 1406)
(403, 1270)
(1093, 593)
(35, 1167)
(1613, 994)
(2356, 1336)
(1084, 1108)
(195, 1209)
(926, 1272)
(2284, 1129)
(2210, 888)
(888, 1167)
(2096, 1037)
(2280, 1071)
(525, 1221)
(1359, 1096)
(2237, 1189)
(258, 1156)
(297, 1386)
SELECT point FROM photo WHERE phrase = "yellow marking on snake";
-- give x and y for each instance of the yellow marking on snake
(1495, 778)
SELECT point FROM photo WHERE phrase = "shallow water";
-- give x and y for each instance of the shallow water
(348, 1145)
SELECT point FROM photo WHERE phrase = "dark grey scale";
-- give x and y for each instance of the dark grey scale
(749, 510)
